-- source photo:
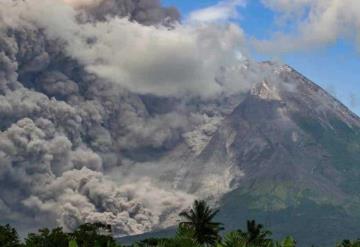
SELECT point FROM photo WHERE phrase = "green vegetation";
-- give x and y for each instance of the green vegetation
(196, 230)
(200, 220)
(339, 140)
(342, 145)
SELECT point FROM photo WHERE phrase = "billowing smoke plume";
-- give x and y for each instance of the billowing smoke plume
(62, 129)
(85, 93)
(146, 12)
(143, 59)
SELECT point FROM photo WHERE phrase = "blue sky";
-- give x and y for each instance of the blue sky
(335, 67)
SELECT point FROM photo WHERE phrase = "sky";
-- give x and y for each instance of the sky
(333, 64)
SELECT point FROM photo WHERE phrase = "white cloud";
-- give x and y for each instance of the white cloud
(223, 11)
(316, 22)
(143, 59)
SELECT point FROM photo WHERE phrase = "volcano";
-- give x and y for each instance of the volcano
(91, 131)
(286, 153)
(298, 148)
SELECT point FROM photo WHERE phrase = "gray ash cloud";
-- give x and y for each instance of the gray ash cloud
(62, 129)
(77, 105)
(146, 12)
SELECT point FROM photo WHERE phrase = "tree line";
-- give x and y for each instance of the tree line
(197, 229)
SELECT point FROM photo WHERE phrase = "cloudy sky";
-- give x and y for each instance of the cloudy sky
(319, 38)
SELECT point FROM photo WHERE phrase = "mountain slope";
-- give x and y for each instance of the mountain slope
(299, 150)
(286, 154)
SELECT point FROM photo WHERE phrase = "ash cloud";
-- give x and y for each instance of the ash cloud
(85, 93)
(146, 12)
(143, 59)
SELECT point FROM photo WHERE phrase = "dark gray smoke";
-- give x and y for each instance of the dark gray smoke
(146, 12)
(62, 129)
(80, 101)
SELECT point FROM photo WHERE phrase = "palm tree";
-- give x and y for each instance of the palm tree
(255, 235)
(253, 239)
(288, 242)
(200, 220)
(255, 231)
(233, 239)
(348, 243)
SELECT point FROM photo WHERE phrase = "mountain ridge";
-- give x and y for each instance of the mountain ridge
(276, 147)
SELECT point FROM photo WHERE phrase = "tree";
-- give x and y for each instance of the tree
(200, 220)
(234, 239)
(93, 234)
(348, 243)
(256, 232)
(54, 238)
(288, 242)
(9, 237)
(255, 235)
(73, 243)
